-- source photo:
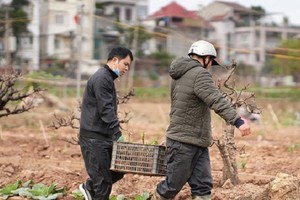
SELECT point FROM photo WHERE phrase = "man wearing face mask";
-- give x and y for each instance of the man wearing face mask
(99, 125)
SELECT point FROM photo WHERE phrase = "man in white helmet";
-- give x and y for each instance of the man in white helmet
(193, 94)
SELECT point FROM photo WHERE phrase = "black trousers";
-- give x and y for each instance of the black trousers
(97, 158)
(186, 164)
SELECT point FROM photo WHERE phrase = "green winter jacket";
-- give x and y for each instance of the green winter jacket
(193, 94)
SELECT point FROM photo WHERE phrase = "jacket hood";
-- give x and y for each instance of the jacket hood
(181, 65)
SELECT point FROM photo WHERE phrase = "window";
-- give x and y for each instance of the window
(257, 57)
(128, 14)
(244, 37)
(141, 12)
(26, 42)
(56, 43)
(59, 18)
(117, 12)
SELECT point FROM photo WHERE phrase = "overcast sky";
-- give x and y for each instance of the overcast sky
(279, 8)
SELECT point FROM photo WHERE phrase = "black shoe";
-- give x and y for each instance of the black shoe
(85, 192)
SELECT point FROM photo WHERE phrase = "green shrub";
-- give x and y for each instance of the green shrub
(151, 94)
(291, 93)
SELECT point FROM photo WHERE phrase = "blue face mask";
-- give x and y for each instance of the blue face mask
(116, 71)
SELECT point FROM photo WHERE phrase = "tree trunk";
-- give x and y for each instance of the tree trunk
(226, 146)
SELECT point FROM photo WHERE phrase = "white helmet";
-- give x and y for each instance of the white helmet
(203, 48)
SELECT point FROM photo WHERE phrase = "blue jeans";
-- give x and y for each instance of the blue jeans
(97, 158)
(186, 163)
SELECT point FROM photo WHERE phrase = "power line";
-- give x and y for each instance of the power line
(282, 56)
(286, 49)
(20, 19)
(186, 39)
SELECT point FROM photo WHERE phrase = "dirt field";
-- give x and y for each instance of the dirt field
(28, 154)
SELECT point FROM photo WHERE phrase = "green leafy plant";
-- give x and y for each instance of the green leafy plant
(243, 164)
(143, 137)
(31, 190)
(9, 189)
(77, 195)
(143, 196)
(119, 197)
(41, 191)
(154, 142)
(293, 147)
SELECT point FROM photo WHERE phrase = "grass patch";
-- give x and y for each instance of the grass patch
(293, 147)
(290, 93)
(152, 94)
(47, 81)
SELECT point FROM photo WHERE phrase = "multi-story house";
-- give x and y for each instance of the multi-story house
(113, 13)
(23, 49)
(126, 11)
(176, 28)
(66, 31)
(241, 36)
(59, 30)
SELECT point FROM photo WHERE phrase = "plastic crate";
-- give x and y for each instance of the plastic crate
(138, 158)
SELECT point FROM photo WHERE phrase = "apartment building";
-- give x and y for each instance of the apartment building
(241, 35)
(127, 11)
(113, 13)
(59, 30)
(24, 50)
(66, 31)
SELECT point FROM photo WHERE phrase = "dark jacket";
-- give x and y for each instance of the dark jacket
(99, 106)
(193, 94)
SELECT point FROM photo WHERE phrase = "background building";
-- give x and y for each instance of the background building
(67, 32)
(243, 35)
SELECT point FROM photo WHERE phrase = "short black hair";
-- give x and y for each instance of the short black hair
(119, 52)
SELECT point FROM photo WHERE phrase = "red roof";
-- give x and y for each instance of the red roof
(219, 17)
(174, 10)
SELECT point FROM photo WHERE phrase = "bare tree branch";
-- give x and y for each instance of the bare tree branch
(126, 98)
(226, 143)
(72, 140)
(126, 118)
(71, 120)
(68, 121)
(10, 95)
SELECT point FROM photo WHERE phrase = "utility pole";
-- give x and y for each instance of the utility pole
(134, 49)
(79, 50)
(72, 51)
(36, 32)
(7, 38)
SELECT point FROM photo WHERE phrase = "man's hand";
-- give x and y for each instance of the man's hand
(245, 129)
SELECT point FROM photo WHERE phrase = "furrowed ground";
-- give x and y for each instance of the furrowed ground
(30, 150)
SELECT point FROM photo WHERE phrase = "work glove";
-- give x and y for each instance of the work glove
(118, 137)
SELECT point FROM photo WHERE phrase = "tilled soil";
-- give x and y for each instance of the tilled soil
(30, 150)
